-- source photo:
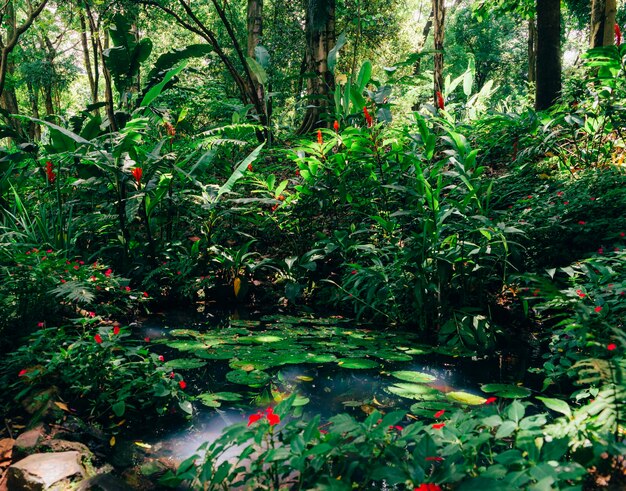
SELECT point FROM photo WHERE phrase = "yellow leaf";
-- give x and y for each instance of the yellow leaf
(305, 378)
(237, 286)
(62, 405)
(121, 423)
(143, 445)
(376, 402)
(112, 441)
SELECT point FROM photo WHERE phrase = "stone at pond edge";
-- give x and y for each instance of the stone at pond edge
(45, 471)
(103, 482)
(27, 442)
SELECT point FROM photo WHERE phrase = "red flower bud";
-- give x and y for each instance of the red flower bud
(320, 139)
(336, 126)
(618, 35)
(137, 172)
(440, 103)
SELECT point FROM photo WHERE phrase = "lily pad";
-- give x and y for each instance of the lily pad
(465, 398)
(321, 358)
(184, 332)
(507, 391)
(255, 378)
(222, 354)
(248, 365)
(181, 345)
(415, 377)
(392, 355)
(413, 391)
(185, 364)
(215, 399)
(356, 363)
(261, 339)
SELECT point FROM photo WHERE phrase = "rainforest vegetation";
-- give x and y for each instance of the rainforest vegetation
(228, 209)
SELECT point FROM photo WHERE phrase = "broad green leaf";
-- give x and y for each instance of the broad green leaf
(411, 376)
(556, 405)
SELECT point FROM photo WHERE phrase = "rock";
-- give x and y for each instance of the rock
(103, 482)
(44, 471)
(67, 446)
(27, 442)
(6, 452)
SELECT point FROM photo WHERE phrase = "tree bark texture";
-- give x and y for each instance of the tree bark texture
(532, 51)
(548, 87)
(255, 32)
(439, 14)
(602, 21)
(320, 39)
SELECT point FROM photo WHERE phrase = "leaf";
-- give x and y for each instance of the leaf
(332, 54)
(255, 378)
(237, 286)
(112, 441)
(411, 376)
(62, 406)
(257, 70)
(185, 364)
(356, 363)
(466, 398)
(119, 408)
(143, 445)
(262, 55)
(507, 391)
(155, 91)
(556, 405)
(236, 175)
(365, 74)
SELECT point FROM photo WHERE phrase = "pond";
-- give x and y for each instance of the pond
(236, 364)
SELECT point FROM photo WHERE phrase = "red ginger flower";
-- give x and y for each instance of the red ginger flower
(336, 126)
(428, 486)
(320, 139)
(368, 117)
(618, 35)
(440, 103)
(137, 172)
(50, 174)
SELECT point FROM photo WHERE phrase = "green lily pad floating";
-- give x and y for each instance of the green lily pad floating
(507, 391)
(181, 345)
(185, 364)
(321, 358)
(414, 391)
(261, 339)
(415, 377)
(300, 401)
(255, 378)
(357, 363)
(418, 351)
(223, 354)
(466, 398)
(244, 323)
(215, 399)
(390, 355)
(248, 365)
(184, 332)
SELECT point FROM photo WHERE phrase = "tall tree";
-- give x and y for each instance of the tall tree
(602, 21)
(548, 87)
(320, 39)
(439, 14)
(532, 50)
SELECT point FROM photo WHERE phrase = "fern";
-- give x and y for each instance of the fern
(75, 292)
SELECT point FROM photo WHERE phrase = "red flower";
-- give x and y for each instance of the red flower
(182, 384)
(116, 330)
(368, 118)
(336, 126)
(50, 174)
(23, 372)
(581, 294)
(440, 413)
(396, 427)
(273, 419)
(429, 486)
(172, 375)
(137, 172)
(253, 418)
(97, 338)
(440, 103)
(161, 358)
(618, 35)
(438, 426)
(610, 347)
(559, 193)
(600, 251)
(320, 139)
(434, 459)
(491, 400)
(581, 222)
(598, 309)
(622, 234)
(146, 339)
(353, 271)
(108, 272)
(145, 294)
(250, 167)
(40, 324)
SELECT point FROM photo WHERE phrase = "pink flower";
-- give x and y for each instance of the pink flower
(97, 338)
(559, 193)
(434, 459)
(23, 372)
(600, 251)
(172, 374)
(161, 358)
(91, 314)
(581, 222)
(146, 339)
(610, 347)
(622, 234)
(40, 324)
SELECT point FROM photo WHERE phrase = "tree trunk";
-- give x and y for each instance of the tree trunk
(255, 32)
(602, 21)
(320, 39)
(532, 51)
(417, 67)
(548, 86)
(34, 130)
(93, 88)
(439, 14)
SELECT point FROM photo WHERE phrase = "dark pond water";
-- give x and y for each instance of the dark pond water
(236, 362)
